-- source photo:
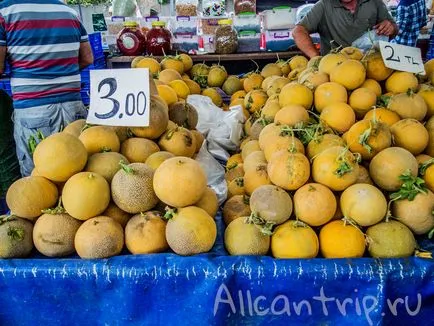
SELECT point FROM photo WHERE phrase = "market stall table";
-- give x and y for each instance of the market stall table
(215, 289)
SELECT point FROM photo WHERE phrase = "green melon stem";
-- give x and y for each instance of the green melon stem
(424, 166)
(127, 169)
(105, 149)
(16, 233)
(411, 187)
(7, 218)
(246, 200)
(56, 210)
(431, 233)
(170, 213)
(264, 226)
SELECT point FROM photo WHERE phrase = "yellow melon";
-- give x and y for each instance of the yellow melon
(86, 195)
(293, 93)
(351, 74)
(329, 93)
(60, 156)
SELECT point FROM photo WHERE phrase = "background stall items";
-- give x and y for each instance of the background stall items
(243, 6)
(226, 38)
(247, 22)
(249, 41)
(158, 39)
(131, 41)
(186, 7)
(279, 18)
(214, 8)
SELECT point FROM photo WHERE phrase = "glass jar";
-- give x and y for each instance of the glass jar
(226, 38)
(131, 40)
(158, 39)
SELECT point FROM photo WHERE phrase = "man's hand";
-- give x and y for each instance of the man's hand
(386, 27)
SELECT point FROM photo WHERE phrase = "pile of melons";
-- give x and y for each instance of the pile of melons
(337, 161)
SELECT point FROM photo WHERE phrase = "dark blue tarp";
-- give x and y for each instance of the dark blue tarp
(214, 289)
(209, 290)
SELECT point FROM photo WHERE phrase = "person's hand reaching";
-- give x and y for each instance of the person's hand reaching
(386, 27)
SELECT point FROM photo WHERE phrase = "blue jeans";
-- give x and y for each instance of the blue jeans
(47, 119)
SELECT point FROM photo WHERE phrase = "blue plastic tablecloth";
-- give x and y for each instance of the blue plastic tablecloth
(212, 290)
(216, 289)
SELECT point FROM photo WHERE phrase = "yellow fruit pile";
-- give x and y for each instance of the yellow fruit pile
(350, 141)
(97, 189)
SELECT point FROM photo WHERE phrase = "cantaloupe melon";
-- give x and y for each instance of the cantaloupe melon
(179, 141)
(74, 128)
(60, 156)
(145, 233)
(180, 182)
(155, 160)
(235, 207)
(86, 195)
(27, 197)
(53, 235)
(137, 150)
(99, 237)
(245, 239)
(184, 115)
(190, 230)
(117, 214)
(100, 139)
(158, 120)
(209, 202)
(105, 164)
(132, 189)
(15, 237)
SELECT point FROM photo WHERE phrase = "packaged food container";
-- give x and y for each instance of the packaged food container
(213, 8)
(186, 7)
(280, 40)
(279, 18)
(130, 40)
(247, 22)
(209, 26)
(207, 43)
(184, 25)
(242, 6)
(158, 39)
(185, 43)
(249, 41)
(115, 25)
(226, 38)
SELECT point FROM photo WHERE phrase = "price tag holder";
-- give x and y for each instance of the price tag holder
(119, 97)
(402, 57)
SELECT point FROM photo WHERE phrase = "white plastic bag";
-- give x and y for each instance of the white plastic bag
(222, 129)
(215, 173)
(368, 40)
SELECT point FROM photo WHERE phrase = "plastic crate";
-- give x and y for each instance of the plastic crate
(95, 41)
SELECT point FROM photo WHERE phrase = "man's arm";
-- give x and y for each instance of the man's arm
(308, 25)
(385, 23)
(304, 41)
(85, 56)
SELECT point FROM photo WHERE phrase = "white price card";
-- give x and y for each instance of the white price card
(119, 97)
(402, 57)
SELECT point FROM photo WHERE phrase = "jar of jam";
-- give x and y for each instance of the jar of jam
(131, 40)
(158, 39)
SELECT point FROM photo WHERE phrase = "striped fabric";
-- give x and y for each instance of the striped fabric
(43, 40)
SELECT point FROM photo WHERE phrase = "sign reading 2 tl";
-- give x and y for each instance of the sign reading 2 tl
(402, 57)
(119, 97)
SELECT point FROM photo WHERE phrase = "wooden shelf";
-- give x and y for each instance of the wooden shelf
(114, 61)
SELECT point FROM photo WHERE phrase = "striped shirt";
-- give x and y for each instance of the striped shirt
(43, 39)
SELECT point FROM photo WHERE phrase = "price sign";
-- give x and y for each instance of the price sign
(119, 97)
(402, 57)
